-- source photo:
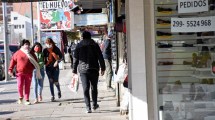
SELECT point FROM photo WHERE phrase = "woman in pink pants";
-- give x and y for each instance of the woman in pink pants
(25, 62)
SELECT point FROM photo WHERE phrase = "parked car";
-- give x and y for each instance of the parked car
(12, 47)
(2, 68)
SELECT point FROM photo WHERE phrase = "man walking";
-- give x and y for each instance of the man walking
(108, 64)
(87, 59)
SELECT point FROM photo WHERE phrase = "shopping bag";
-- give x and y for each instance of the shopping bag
(121, 74)
(74, 85)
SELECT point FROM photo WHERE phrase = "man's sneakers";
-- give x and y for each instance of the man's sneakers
(59, 95)
(52, 99)
(110, 89)
(95, 107)
(88, 111)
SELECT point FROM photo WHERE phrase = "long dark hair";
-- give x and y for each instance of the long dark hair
(51, 41)
(35, 44)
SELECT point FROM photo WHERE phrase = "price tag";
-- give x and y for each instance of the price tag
(198, 24)
(189, 6)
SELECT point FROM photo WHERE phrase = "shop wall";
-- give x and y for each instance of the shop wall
(150, 59)
(136, 59)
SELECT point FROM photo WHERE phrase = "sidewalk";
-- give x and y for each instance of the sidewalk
(70, 107)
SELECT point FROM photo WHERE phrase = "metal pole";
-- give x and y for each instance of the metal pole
(6, 49)
(38, 24)
(32, 24)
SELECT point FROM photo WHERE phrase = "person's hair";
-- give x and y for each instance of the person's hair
(24, 41)
(35, 44)
(86, 35)
(51, 41)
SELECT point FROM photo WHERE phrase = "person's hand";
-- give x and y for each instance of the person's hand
(56, 63)
(10, 74)
(102, 72)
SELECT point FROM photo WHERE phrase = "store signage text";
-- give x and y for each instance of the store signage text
(189, 6)
(55, 4)
(199, 24)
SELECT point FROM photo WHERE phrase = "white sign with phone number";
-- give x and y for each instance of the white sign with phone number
(198, 24)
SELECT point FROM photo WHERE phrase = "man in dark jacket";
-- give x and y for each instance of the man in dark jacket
(108, 64)
(87, 60)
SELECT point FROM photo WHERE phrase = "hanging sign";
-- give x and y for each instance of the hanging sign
(198, 24)
(16, 1)
(190, 6)
(56, 15)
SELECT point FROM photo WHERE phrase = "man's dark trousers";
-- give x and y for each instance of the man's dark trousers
(87, 79)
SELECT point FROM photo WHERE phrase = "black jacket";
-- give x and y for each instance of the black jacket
(88, 57)
(57, 51)
(107, 49)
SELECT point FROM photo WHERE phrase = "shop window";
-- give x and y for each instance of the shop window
(185, 58)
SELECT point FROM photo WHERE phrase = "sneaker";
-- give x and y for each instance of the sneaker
(20, 101)
(27, 102)
(52, 99)
(88, 111)
(110, 89)
(59, 95)
(40, 98)
(36, 101)
(95, 107)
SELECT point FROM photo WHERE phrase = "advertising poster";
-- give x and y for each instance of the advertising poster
(56, 15)
(56, 36)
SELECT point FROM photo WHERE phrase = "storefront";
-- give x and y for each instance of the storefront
(171, 59)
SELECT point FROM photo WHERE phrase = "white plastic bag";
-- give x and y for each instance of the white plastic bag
(121, 74)
(74, 85)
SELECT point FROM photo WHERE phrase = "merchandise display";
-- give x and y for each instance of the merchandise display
(185, 59)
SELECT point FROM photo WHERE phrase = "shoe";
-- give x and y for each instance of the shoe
(187, 45)
(163, 33)
(52, 99)
(164, 45)
(110, 89)
(160, 21)
(40, 98)
(164, 9)
(59, 95)
(20, 101)
(36, 101)
(88, 111)
(95, 107)
(27, 102)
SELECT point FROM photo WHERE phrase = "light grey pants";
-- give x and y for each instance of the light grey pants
(108, 72)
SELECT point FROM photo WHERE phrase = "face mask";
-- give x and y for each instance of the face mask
(48, 45)
(26, 47)
(37, 49)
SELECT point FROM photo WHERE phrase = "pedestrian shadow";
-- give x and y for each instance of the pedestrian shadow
(12, 92)
(7, 83)
(6, 112)
(7, 101)
(107, 111)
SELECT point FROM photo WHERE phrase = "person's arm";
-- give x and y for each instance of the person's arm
(59, 53)
(76, 60)
(101, 59)
(13, 62)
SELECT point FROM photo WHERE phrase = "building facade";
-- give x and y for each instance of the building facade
(171, 59)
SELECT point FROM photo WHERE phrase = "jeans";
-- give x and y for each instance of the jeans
(38, 83)
(87, 79)
(108, 72)
(53, 76)
(24, 82)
